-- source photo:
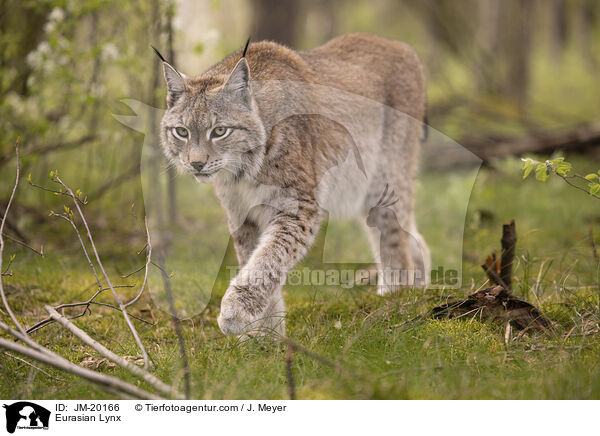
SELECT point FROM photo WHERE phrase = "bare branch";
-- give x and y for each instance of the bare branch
(101, 266)
(87, 304)
(177, 325)
(148, 260)
(10, 200)
(289, 371)
(112, 384)
(131, 367)
(23, 244)
(70, 221)
(60, 145)
(577, 176)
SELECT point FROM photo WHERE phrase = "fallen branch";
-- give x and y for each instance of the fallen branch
(578, 139)
(105, 352)
(86, 304)
(496, 302)
(112, 383)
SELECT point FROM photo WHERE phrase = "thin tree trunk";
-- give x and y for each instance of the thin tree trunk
(171, 173)
(155, 205)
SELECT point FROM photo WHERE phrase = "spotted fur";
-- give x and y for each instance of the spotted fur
(323, 129)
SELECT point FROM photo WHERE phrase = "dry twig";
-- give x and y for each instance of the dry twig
(122, 362)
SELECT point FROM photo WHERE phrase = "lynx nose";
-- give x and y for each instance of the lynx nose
(197, 165)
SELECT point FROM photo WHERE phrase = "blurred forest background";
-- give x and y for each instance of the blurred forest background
(504, 77)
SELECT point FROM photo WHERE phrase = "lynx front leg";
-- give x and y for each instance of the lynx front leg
(244, 240)
(254, 295)
(253, 299)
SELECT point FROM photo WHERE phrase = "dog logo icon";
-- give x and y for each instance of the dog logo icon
(26, 415)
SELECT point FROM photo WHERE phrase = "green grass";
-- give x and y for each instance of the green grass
(384, 347)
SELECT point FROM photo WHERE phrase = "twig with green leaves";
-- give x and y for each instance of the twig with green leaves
(590, 183)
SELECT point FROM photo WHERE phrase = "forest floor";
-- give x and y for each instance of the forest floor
(380, 347)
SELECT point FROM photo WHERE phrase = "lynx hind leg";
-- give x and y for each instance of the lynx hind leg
(402, 253)
(391, 250)
(421, 258)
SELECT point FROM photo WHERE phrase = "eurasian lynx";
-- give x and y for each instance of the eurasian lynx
(274, 130)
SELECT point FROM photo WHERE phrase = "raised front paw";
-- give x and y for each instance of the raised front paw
(241, 310)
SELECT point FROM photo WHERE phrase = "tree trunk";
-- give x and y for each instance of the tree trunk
(516, 51)
(488, 36)
(559, 26)
(274, 20)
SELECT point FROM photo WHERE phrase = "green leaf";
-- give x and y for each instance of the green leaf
(595, 188)
(527, 166)
(541, 172)
(592, 176)
(563, 168)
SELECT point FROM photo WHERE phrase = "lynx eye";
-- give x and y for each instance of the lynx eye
(219, 132)
(181, 133)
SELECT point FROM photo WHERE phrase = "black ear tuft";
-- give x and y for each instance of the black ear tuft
(161, 57)
(245, 48)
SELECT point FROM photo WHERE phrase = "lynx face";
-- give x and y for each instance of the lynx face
(212, 128)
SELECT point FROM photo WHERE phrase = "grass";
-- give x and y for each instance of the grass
(385, 347)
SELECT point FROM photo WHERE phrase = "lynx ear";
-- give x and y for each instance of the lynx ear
(175, 80)
(238, 83)
(175, 83)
